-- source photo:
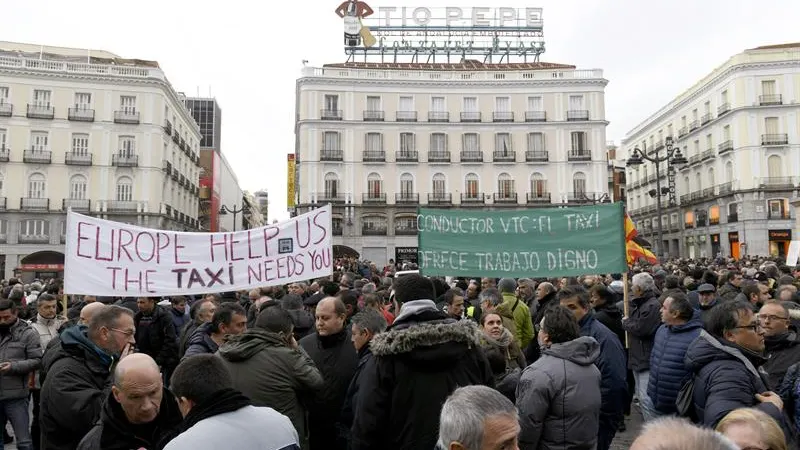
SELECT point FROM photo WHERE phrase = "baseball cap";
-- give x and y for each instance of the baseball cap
(706, 288)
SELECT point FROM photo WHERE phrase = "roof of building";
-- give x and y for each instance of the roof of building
(78, 55)
(777, 46)
(468, 64)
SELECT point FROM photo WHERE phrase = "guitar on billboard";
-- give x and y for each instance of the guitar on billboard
(355, 32)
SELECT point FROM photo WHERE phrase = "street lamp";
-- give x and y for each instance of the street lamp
(674, 157)
(224, 210)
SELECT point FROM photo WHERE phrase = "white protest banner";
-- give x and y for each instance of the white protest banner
(115, 259)
(793, 254)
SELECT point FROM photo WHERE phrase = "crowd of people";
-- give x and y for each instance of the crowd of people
(377, 358)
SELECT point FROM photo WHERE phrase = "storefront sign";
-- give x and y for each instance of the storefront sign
(780, 235)
(291, 193)
(50, 267)
(408, 254)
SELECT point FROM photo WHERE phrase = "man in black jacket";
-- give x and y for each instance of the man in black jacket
(138, 411)
(76, 374)
(418, 362)
(155, 334)
(780, 341)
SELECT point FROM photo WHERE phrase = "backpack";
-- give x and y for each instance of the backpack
(685, 400)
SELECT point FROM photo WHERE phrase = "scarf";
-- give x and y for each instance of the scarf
(502, 342)
(221, 402)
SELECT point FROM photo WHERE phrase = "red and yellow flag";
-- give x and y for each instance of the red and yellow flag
(633, 250)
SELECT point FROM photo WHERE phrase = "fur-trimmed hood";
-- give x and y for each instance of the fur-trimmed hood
(427, 336)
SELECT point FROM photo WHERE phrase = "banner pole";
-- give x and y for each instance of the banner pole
(625, 305)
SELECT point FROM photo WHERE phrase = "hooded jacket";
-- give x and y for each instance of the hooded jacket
(642, 324)
(157, 339)
(21, 348)
(609, 315)
(418, 362)
(273, 374)
(77, 377)
(200, 342)
(559, 398)
(522, 318)
(782, 351)
(114, 432)
(611, 364)
(668, 372)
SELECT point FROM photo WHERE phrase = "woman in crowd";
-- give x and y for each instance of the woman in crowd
(752, 429)
(495, 335)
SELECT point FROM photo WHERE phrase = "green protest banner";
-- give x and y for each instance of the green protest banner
(522, 243)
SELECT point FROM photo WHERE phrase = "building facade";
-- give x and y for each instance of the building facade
(251, 216)
(262, 199)
(739, 128)
(94, 133)
(377, 140)
(208, 115)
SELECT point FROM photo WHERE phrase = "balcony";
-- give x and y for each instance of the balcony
(472, 198)
(403, 230)
(439, 156)
(440, 198)
(772, 99)
(505, 197)
(37, 156)
(405, 116)
(330, 197)
(78, 159)
(123, 160)
(3, 203)
(694, 159)
(336, 229)
(438, 116)
(779, 215)
(122, 206)
(33, 238)
(779, 183)
(502, 116)
(580, 155)
(693, 125)
(80, 114)
(34, 204)
(537, 156)
(373, 197)
(406, 197)
(538, 197)
(40, 112)
(176, 175)
(725, 147)
(582, 197)
(373, 116)
(470, 116)
(535, 116)
(331, 155)
(182, 145)
(723, 109)
(725, 188)
(705, 119)
(127, 117)
(708, 193)
(176, 138)
(708, 154)
(775, 139)
(168, 128)
(407, 156)
(76, 204)
(5, 154)
(6, 109)
(374, 156)
(168, 168)
(373, 230)
(330, 114)
(507, 156)
(682, 131)
(577, 115)
(471, 156)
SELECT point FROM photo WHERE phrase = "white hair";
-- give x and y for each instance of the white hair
(644, 281)
(670, 433)
(465, 412)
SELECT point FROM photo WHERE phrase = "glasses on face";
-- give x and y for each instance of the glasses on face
(127, 333)
(770, 318)
(752, 327)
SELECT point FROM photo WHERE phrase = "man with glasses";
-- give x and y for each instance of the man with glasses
(781, 342)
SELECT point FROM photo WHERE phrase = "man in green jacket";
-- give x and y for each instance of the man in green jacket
(520, 311)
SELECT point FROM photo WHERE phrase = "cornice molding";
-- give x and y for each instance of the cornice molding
(602, 82)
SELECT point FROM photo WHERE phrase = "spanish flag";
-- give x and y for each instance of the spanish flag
(634, 248)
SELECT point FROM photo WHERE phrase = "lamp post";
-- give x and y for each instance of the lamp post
(673, 156)
(224, 210)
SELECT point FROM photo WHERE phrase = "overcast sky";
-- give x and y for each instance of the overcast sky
(248, 54)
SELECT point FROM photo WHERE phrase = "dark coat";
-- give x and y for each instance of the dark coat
(114, 432)
(179, 320)
(23, 349)
(641, 325)
(668, 372)
(186, 333)
(336, 359)
(507, 383)
(611, 363)
(544, 303)
(303, 323)
(418, 362)
(158, 338)
(611, 316)
(728, 292)
(77, 381)
(365, 357)
(201, 343)
(782, 351)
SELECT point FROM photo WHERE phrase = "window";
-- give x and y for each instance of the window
(80, 144)
(406, 185)
(536, 142)
(37, 186)
(41, 98)
(375, 223)
(697, 147)
(687, 184)
(77, 187)
(502, 104)
(438, 104)
(505, 186)
(723, 97)
(439, 182)
(579, 142)
(3, 138)
(406, 103)
(576, 103)
(39, 141)
(694, 114)
(728, 171)
(438, 142)
(535, 104)
(83, 100)
(709, 142)
(538, 185)
(34, 227)
(699, 179)
(683, 121)
(330, 140)
(688, 219)
(331, 102)
(373, 103)
(707, 107)
(771, 125)
(669, 131)
(502, 143)
(711, 181)
(778, 208)
(726, 133)
(713, 215)
(579, 183)
(768, 87)
(407, 144)
(374, 142)
(470, 104)
(124, 189)
(127, 104)
(774, 166)
(374, 185)
(470, 142)
(3, 95)
(471, 186)
(127, 146)
(331, 185)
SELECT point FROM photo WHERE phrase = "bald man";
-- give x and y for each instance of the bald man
(138, 412)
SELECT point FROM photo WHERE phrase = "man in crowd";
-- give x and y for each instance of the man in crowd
(217, 416)
(519, 311)
(303, 320)
(268, 366)
(202, 311)
(671, 433)
(138, 411)
(76, 373)
(180, 314)
(732, 286)
(706, 299)
(757, 294)
(478, 418)
(668, 372)
(155, 334)
(331, 350)
(546, 297)
(418, 362)
(20, 354)
(781, 343)
(610, 362)
(229, 319)
(454, 299)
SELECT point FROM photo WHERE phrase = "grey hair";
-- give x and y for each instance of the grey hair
(643, 281)
(670, 433)
(507, 285)
(368, 288)
(465, 412)
(492, 295)
(369, 320)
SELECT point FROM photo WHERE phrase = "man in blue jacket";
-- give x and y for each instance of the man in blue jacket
(668, 372)
(610, 363)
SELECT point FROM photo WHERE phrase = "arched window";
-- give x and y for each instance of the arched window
(331, 185)
(774, 166)
(505, 186)
(579, 184)
(439, 185)
(406, 185)
(711, 180)
(471, 186)
(37, 186)
(374, 185)
(699, 179)
(713, 215)
(77, 187)
(729, 172)
(124, 189)
(539, 186)
(687, 185)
